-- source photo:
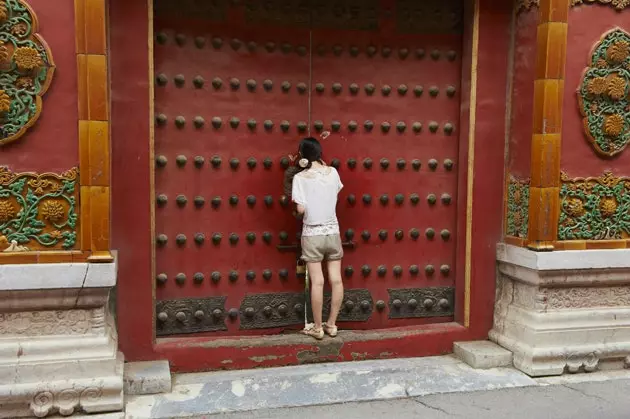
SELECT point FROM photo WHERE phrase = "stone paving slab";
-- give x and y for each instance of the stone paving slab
(117, 415)
(596, 400)
(147, 377)
(195, 395)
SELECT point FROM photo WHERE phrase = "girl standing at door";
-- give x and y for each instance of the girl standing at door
(314, 192)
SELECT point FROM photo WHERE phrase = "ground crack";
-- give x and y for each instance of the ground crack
(439, 409)
(85, 275)
(582, 392)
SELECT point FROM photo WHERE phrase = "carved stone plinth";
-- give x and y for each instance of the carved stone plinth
(58, 343)
(563, 311)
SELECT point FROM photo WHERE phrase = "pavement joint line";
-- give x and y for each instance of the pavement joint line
(584, 393)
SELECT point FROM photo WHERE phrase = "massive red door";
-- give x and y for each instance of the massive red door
(237, 85)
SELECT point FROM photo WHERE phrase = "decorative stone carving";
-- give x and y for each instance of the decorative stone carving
(594, 208)
(526, 296)
(525, 5)
(38, 211)
(42, 323)
(66, 402)
(42, 403)
(517, 207)
(559, 298)
(26, 69)
(617, 4)
(563, 311)
(603, 94)
(577, 362)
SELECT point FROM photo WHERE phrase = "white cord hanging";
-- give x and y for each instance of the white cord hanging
(307, 296)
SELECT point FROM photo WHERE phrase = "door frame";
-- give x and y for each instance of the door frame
(485, 72)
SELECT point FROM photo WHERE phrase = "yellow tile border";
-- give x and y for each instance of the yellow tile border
(548, 107)
(515, 241)
(591, 244)
(73, 256)
(471, 162)
(94, 133)
(151, 78)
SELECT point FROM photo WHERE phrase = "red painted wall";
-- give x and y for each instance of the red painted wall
(522, 98)
(587, 24)
(131, 167)
(51, 145)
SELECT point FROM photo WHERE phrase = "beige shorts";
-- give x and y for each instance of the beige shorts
(319, 248)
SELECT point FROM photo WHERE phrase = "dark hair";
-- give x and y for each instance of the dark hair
(311, 150)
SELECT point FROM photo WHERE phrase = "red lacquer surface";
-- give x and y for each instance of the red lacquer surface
(393, 71)
(226, 143)
(51, 145)
(587, 24)
(245, 102)
(130, 130)
(522, 97)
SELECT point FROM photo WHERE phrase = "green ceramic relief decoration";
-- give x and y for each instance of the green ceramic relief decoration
(603, 94)
(517, 207)
(526, 5)
(594, 208)
(26, 69)
(617, 4)
(38, 211)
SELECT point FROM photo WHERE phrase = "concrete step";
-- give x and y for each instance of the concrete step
(148, 377)
(195, 395)
(482, 354)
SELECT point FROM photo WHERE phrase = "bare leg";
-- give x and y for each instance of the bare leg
(334, 277)
(316, 277)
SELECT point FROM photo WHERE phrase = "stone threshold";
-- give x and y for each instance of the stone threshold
(199, 394)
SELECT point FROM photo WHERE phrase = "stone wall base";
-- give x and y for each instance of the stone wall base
(565, 311)
(58, 346)
(67, 395)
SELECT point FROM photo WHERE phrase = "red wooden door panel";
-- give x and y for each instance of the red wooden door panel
(225, 89)
(237, 85)
(389, 96)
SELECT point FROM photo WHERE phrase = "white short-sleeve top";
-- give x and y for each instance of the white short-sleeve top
(316, 190)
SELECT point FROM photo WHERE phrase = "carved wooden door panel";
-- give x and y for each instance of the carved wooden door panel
(237, 85)
(386, 79)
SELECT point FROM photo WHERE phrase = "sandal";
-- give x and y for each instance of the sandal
(311, 331)
(330, 330)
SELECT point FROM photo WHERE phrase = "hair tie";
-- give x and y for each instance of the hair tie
(303, 163)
